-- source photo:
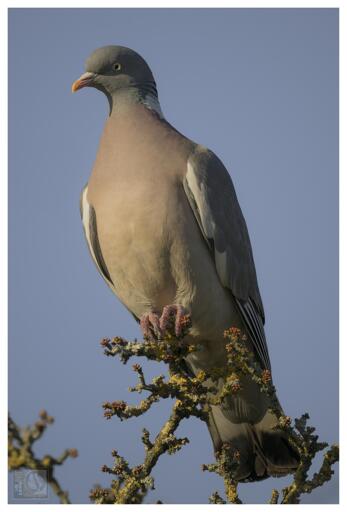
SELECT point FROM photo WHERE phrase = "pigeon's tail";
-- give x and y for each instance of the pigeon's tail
(263, 450)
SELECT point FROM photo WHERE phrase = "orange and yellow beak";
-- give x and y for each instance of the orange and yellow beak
(84, 80)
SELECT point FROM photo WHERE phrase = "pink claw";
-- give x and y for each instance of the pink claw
(154, 327)
(149, 323)
(176, 311)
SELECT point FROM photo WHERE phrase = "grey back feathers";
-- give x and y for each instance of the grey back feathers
(212, 197)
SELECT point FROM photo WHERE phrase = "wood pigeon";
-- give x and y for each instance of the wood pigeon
(167, 234)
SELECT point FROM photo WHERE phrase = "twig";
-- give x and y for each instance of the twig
(21, 455)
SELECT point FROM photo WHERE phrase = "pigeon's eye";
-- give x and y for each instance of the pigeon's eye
(116, 66)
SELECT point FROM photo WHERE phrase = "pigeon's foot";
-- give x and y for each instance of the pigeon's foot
(150, 325)
(173, 320)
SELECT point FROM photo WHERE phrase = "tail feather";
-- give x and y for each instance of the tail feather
(263, 451)
(245, 421)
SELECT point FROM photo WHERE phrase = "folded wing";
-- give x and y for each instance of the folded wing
(212, 197)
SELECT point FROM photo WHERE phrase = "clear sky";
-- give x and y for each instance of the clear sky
(260, 88)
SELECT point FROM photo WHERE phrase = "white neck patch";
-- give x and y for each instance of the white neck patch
(150, 101)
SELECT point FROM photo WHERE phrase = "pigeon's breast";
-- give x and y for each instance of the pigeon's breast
(135, 191)
(135, 241)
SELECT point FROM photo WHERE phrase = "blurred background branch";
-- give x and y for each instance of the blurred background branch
(21, 455)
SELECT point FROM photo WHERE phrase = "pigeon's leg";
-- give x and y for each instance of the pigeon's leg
(172, 315)
(150, 325)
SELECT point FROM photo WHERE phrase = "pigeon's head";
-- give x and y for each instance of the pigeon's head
(115, 68)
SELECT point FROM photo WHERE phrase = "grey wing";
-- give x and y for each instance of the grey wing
(212, 197)
(90, 230)
(88, 217)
